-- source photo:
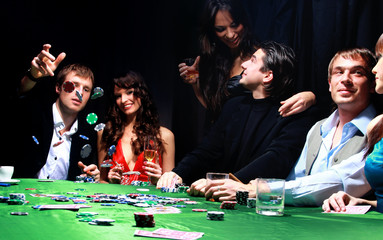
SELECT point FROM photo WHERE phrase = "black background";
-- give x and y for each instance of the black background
(152, 37)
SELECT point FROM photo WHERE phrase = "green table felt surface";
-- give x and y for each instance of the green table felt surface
(241, 223)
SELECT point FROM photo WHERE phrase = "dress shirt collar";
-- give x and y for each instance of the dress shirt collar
(59, 125)
(360, 122)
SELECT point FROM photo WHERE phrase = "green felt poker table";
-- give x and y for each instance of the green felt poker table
(240, 223)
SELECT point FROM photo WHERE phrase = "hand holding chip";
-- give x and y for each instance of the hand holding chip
(167, 179)
(44, 64)
(90, 170)
(115, 174)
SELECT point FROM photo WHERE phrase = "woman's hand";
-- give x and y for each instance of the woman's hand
(153, 170)
(115, 175)
(189, 73)
(297, 103)
(338, 201)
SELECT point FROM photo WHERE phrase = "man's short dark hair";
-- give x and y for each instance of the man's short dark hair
(280, 59)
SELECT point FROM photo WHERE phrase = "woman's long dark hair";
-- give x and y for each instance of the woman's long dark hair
(216, 58)
(147, 119)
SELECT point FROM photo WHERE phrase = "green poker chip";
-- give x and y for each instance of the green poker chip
(91, 118)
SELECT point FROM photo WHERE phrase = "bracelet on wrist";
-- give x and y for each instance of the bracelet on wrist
(30, 76)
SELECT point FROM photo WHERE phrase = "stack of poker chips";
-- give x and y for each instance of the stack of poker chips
(82, 179)
(16, 199)
(215, 216)
(228, 204)
(144, 219)
(241, 197)
(251, 202)
(182, 189)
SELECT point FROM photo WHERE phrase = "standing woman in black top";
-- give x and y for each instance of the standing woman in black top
(225, 43)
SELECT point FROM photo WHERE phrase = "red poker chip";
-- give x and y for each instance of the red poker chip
(199, 210)
(228, 204)
(68, 86)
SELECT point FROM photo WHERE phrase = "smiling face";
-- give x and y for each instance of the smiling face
(68, 101)
(349, 85)
(228, 31)
(126, 101)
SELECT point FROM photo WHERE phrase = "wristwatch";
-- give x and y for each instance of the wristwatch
(30, 76)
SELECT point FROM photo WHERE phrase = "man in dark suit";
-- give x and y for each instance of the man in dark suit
(250, 138)
(54, 142)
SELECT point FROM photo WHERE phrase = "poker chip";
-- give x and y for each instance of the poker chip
(102, 222)
(179, 206)
(142, 189)
(86, 214)
(99, 127)
(111, 150)
(106, 163)
(35, 139)
(86, 150)
(97, 92)
(199, 210)
(91, 118)
(83, 137)
(144, 219)
(108, 204)
(20, 213)
(30, 189)
(251, 202)
(190, 202)
(228, 204)
(131, 173)
(78, 94)
(86, 219)
(241, 197)
(3, 199)
(15, 202)
(17, 196)
(182, 189)
(215, 215)
(68, 86)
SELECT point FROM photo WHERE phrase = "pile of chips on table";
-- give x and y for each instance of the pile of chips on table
(144, 219)
(82, 179)
(176, 188)
(14, 199)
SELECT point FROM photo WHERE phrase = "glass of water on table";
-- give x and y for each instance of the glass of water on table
(211, 177)
(270, 197)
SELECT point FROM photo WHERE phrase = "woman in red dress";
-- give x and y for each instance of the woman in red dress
(131, 118)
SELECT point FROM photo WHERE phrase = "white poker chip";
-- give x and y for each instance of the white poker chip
(144, 205)
(142, 189)
(86, 150)
(103, 220)
(99, 127)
